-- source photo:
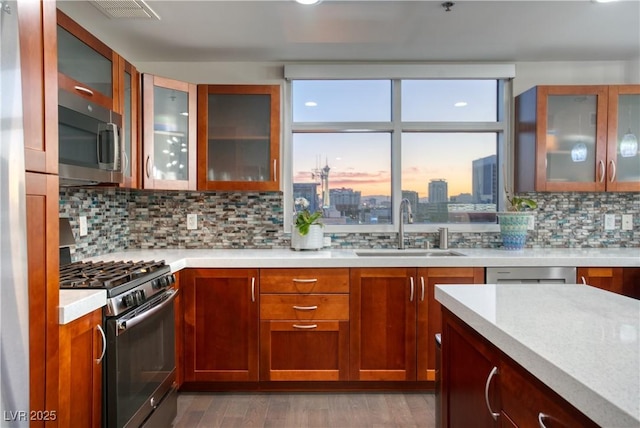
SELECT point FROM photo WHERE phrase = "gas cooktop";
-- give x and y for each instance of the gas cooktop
(109, 275)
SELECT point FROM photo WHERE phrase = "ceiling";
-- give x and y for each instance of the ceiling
(418, 30)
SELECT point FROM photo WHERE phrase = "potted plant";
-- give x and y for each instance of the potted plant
(307, 233)
(514, 222)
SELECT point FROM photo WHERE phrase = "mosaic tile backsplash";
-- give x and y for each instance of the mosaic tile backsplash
(120, 219)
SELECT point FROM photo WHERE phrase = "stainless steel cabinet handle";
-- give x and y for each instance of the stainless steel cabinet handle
(147, 166)
(422, 285)
(601, 164)
(305, 308)
(492, 373)
(84, 90)
(584, 281)
(253, 289)
(411, 296)
(305, 281)
(104, 344)
(275, 170)
(305, 326)
(126, 161)
(613, 170)
(541, 418)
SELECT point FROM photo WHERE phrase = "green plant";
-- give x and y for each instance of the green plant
(516, 203)
(304, 217)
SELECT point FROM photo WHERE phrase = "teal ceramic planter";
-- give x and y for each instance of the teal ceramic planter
(513, 229)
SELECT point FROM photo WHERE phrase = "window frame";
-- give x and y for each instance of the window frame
(502, 127)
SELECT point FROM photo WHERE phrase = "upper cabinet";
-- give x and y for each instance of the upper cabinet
(169, 134)
(239, 137)
(129, 107)
(571, 138)
(86, 66)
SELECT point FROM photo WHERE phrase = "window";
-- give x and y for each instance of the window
(358, 147)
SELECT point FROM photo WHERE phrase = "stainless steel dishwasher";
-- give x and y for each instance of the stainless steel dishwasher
(531, 275)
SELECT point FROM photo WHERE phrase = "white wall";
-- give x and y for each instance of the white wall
(528, 74)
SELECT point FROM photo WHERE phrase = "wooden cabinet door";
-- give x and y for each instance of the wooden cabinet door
(129, 108)
(625, 281)
(304, 350)
(81, 352)
(468, 364)
(220, 324)
(623, 154)
(430, 314)
(239, 137)
(169, 133)
(42, 213)
(383, 324)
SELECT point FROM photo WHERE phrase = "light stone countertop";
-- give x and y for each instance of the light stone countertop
(286, 258)
(583, 342)
(77, 303)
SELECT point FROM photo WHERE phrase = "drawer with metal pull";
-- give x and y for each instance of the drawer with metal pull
(304, 307)
(304, 281)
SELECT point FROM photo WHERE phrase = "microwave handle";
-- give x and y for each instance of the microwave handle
(116, 144)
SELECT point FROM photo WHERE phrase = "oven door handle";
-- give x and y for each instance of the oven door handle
(124, 325)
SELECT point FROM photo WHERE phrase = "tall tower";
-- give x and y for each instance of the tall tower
(324, 177)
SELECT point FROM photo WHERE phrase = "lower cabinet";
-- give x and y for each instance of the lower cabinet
(220, 324)
(620, 280)
(394, 319)
(80, 372)
(484, 388)
(304, 324)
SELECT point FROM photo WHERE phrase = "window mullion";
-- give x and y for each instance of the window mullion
(396, 150)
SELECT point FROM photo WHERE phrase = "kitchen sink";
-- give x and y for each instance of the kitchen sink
(407, 253)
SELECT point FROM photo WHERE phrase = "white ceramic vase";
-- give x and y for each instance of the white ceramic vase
(314, 240)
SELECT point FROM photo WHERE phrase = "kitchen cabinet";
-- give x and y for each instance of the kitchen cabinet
(567, 138)
(620, 280)
(129, 108)
(86, 66)
(304, 324)
(221, 309)
(394, 319)
(239, 137)
(430, 313)
(82, 348)
(482, 387)
(169, 133)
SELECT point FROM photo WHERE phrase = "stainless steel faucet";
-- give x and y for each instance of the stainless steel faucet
(409, 220)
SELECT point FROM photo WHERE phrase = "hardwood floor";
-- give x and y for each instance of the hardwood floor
(302, 410)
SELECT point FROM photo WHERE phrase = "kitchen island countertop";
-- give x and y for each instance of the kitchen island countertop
(582, 342)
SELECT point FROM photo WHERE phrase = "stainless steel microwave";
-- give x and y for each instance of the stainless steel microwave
(89, 144)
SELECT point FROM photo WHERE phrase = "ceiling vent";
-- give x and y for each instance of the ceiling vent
(125, 9)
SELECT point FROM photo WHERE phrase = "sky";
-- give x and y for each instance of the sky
(361, 161)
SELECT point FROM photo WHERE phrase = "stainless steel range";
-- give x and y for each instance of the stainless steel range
(139, 368)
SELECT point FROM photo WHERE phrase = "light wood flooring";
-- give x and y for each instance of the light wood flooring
(302, 410)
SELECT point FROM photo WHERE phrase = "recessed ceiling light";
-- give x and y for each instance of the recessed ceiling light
(308, 2)
(184, 113)
(603, 1)
(460, 104)
(311, 104)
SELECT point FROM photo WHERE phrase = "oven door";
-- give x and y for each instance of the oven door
(140, 364)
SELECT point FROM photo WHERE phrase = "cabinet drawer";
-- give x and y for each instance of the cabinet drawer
(304, 307)
(304, 280)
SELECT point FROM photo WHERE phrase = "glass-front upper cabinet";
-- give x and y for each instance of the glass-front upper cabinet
(238, 137)
(86, 66)
(561, 139)
(129, 108)
(169, 133)
(623, 157)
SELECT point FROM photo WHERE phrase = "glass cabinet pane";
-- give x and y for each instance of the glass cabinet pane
(171, 134)
(571, 138)
(239, 137)
(628, 157)
(79, 61)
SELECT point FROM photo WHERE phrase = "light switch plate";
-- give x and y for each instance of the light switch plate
(627, 221)
(83, 225)
(531, 225)
(192, 221)
(609, 221)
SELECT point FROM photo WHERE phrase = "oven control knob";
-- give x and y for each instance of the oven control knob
(128, 300)
(164, 281)
(155, 284)
(172, 279)
(140, 296)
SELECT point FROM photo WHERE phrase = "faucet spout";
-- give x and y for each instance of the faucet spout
(403, 203)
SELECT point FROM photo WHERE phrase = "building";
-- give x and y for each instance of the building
(485, 180)
(438, 191)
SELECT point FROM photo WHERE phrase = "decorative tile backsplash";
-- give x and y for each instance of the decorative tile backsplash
(119, 219)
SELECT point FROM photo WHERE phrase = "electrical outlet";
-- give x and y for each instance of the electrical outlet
(83, 225)
(627, 221)
(531, 225)
(609, 221)
(192, 221)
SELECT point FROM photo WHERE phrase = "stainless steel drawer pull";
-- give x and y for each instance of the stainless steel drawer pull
(541, 418)
(305, 308)
(411, 296)
(422, 285)
(104, 344)
(305, 326)
(492, 373)
(305, 281)
(584, 281)
(253, 289)
(83, 89)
